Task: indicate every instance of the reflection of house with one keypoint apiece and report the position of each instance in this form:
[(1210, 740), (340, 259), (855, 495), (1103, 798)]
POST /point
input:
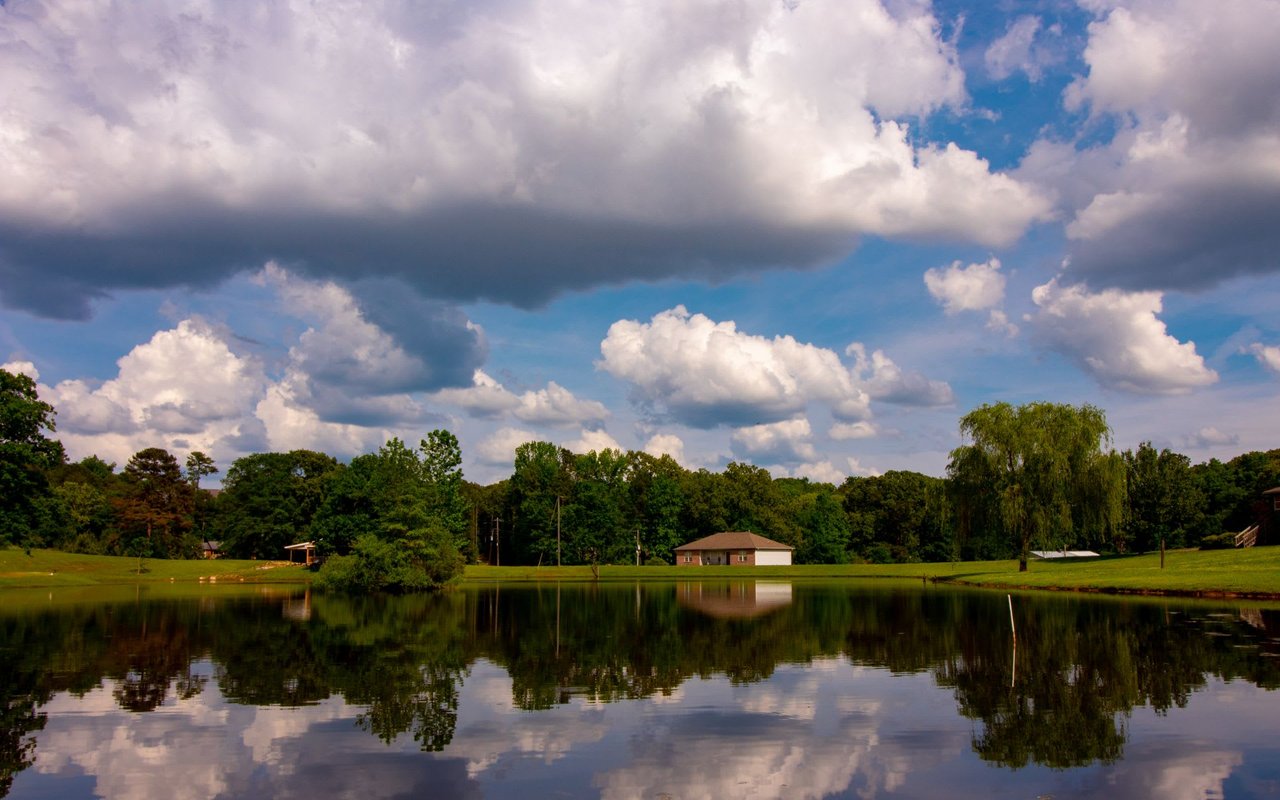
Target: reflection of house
[(736, 600), (736, 548), (298, 609), (302, 553)]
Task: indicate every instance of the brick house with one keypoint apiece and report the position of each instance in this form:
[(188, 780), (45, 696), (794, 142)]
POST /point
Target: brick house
[(733, 548), (1270, 517)]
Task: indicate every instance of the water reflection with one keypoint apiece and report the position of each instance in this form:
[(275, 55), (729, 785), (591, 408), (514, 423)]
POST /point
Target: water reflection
[(734, 599), (734, 689)]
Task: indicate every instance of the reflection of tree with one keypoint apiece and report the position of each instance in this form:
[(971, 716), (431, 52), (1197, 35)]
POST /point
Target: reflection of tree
[(403, 657), (20, 696), (1082, 665)]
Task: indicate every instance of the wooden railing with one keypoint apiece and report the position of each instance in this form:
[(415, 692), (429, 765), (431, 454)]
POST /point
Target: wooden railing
[(1247, 537)]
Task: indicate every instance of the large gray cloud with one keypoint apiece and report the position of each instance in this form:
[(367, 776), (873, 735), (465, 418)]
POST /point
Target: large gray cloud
[(1186, 194), (506, 151)]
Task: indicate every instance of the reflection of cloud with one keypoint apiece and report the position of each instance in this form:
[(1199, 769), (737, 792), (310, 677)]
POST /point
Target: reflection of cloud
[(1167, 771), (799, 735), (273, 725), (136, 756), (494, 728), (204, 747)]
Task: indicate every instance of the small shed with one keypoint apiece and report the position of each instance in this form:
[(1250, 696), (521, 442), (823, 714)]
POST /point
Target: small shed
[(734, 548), (211, 549), (1065, 554), (302, 553)]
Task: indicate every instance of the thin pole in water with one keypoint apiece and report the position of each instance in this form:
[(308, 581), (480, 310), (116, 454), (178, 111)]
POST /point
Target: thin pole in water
[(1012, 626)]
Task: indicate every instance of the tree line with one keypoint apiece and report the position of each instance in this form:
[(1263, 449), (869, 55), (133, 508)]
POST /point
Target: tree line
[(1041, 474)]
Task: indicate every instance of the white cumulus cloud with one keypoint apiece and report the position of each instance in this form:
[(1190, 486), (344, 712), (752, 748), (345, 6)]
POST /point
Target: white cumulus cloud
[(184, 389), (499, 447), (706, 373), (665, 444), (1267, 355), (22, 368), (842, 431), (1019, 50), (1117, 337), (593, 441), (1210, 436), (885, 380), (975, 287), (556, 405), (787, 441)]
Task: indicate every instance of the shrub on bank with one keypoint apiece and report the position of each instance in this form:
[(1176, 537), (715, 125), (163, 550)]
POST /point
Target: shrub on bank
[(423, 560)]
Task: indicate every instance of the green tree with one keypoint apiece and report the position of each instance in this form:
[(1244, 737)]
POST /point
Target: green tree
[(598, 527), (88, 517), (199, 465), (826, 530), (442, 470), (539, 478), (1044, 472), (157, 502), (753, 502), (269, 500), (383, 510), (1163, 506), (26, 454), (657, 502)]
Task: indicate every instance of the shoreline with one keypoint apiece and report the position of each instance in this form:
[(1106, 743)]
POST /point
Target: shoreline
[(1252, 574)]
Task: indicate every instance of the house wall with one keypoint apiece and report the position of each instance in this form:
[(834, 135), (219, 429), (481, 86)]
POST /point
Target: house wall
[(773, 558), (733, 558)]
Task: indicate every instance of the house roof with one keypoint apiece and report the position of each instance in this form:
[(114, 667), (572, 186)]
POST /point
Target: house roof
[(734, 540), (1272, 491), (1065, 554)]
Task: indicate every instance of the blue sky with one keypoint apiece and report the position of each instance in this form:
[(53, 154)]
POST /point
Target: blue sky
[(809, 235)]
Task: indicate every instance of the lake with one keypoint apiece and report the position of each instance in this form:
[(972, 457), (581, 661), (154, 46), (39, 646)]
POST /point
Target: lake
[(659, 690)]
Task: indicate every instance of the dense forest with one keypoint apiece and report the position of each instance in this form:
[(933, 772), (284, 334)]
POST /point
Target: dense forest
[(594, 508)]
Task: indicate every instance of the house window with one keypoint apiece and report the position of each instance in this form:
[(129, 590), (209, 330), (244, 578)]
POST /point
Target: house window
[(742, 558), (688, 559)]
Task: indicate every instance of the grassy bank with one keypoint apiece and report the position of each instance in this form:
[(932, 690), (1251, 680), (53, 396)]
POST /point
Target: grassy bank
[(1218, 573), (51, 568)]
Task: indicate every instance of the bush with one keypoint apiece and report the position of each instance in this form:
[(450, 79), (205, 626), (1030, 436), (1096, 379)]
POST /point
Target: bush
[(424, 559), (656, 561)]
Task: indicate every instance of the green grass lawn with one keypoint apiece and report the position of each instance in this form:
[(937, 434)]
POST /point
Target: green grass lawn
[(50, 568), (1254, 572)]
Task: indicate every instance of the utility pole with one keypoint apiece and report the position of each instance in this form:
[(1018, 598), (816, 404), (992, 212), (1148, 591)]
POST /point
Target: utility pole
[(637, 547), (557, 530)]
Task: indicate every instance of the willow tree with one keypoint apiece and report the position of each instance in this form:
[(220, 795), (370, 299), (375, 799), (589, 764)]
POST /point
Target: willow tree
[(1043, 473)]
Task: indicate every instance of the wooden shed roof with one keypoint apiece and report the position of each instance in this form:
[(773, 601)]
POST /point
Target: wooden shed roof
[(734, 540)]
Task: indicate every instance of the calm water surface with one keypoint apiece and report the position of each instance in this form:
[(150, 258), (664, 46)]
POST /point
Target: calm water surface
[(687, 690)]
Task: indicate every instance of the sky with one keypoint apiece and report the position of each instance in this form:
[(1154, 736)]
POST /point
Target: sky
[(806, 234)]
